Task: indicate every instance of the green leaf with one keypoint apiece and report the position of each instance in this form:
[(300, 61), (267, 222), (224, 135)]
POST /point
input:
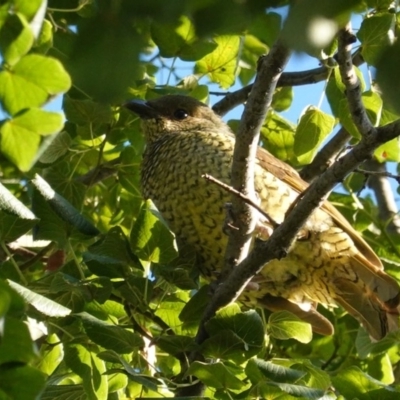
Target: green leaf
[(282, 99), (5, 301), (373, 106), (146, 381), (50, 226), (179, 40), (129, 172), (220, 65), (83, 112), (34, 120), (21, 382), (19, 145), (63, 392), (90, 368), (70, 291), (216, 375), (176, 344), (374, 35), (59, 177), (117, 382), (313, 128), (226, 345), (151, 239), (29, 8), (353, 383), (380, 367), (44, 305), (278, 137), (247, 333), (31, 81), (114, 245), (311, 26), (179, 273), (273, 21), (277, 373), (56, 147), (284, 325), (194, 308), (44, 41), (251, 50), (15, 218), (63, 208), (137, 291), (365, 346), (112, 43), (300, 391), (16, 38), (15, 304), (389, 151), (169, 309), (109, 336), (16, 345), (387, 75), (51, 354)]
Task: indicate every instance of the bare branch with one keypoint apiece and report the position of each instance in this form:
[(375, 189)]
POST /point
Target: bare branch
[(298, 78), (247, 138), (379, 183), (241, 196), (232, 100), (351, 82)]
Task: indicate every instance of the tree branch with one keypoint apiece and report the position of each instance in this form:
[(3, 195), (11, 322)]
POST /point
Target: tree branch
[(351, 82), (245, 216), (298, 78), (326, 156), (380, 185)]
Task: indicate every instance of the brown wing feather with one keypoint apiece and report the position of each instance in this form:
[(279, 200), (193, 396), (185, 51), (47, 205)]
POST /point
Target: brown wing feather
[(288, 175)]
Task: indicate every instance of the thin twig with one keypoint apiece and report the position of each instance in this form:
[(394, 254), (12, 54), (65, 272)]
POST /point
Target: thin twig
[(246, 199), (382, 173)]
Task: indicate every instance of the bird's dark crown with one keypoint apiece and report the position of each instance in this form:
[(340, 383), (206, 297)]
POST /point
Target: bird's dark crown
[(175, 114)]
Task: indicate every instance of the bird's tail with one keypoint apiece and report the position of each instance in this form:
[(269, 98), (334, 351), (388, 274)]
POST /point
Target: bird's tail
[(372, 297)]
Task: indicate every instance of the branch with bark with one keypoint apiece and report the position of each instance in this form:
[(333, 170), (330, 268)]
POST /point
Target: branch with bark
[(248, 136), (298, 78), (378, 181)]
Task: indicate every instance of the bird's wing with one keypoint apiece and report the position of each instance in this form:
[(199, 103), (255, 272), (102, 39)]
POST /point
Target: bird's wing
[(288, 175)]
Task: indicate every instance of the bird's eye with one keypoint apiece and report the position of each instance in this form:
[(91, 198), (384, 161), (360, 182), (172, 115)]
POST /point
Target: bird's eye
[(180, 114)]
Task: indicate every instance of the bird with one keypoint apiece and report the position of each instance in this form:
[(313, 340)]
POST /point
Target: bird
[(329, 263)]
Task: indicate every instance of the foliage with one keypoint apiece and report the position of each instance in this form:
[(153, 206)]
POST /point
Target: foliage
[(95, 302)]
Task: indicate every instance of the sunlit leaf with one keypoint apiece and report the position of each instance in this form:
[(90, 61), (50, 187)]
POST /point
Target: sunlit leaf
[(220, 65)]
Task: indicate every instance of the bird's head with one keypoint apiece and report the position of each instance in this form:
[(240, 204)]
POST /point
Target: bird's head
[(175, 114)]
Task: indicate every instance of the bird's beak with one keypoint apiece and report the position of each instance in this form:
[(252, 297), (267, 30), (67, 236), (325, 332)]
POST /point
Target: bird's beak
[(142, 108)]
